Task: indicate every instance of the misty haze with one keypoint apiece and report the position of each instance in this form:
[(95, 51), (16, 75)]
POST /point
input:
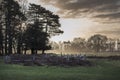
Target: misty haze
[(59, 39)]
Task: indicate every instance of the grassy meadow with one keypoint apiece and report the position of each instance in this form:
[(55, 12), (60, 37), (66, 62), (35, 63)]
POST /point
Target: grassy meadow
[(101, 70)]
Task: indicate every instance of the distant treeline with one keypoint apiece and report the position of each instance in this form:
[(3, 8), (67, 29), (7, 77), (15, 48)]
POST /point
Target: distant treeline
[(96, 43)]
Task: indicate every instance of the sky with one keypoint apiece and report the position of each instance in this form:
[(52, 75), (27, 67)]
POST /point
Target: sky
[(84, 18)]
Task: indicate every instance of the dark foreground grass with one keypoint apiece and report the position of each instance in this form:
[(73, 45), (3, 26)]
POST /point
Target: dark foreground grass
[(102, 70)]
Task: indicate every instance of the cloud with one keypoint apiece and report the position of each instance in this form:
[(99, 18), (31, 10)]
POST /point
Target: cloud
[(110, 32), (101, 9), (110, 16)]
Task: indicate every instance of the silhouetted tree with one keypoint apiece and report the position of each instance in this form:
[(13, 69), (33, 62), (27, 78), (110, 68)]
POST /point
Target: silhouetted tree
[(39, 18), (78, 44), (1, 33), (111, 44), (97, 42), (1, 40), (12, 18), (36, 38), (48, 22), (19, 37)]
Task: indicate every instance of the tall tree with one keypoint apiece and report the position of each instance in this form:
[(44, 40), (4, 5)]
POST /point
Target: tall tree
[(13, 17), (47, 20), (79, 44), (1, 40), (1, 33), (36, 38), (97, 42), (19, 38)]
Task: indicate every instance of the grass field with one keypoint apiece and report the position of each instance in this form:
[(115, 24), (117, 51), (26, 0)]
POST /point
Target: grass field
[(102, 70)]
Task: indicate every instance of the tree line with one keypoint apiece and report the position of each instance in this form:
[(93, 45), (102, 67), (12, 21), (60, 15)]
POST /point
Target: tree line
[(95, 43), (30, 29)]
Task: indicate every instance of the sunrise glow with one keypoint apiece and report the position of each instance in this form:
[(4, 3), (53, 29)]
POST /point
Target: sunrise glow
[(78, 22)]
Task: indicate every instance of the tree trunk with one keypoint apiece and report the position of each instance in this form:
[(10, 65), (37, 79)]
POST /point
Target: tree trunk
[(6, 30), (10, 43), (2, 49), (43, 51), (36, 52), (32, 51), (19, 47), (25, 49), (6, 44)]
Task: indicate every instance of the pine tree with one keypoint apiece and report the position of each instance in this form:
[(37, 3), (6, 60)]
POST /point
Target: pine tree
[(12, 18), (45, 20), (36, 38)]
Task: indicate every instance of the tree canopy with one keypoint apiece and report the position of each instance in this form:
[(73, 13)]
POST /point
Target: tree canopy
[(40, 25), (11, 18), (97, 42)]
